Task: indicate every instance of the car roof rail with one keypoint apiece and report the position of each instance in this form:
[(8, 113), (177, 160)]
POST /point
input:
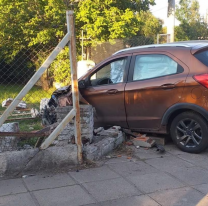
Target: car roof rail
[(154, 46)]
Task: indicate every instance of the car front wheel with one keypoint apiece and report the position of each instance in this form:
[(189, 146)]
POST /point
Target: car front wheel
[(189, 132)]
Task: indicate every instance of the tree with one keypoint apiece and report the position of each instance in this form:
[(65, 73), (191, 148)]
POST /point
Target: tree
[(150, 25), (192, 24), (104, 20), (34, 27)]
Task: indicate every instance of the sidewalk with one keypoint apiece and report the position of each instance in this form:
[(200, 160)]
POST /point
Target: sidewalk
[(148, 179)]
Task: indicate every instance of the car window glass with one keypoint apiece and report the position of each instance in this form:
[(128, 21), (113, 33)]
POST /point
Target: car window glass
[(150, 66), (111, 73), (202, 57)]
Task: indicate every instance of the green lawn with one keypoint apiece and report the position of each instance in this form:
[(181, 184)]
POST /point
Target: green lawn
[(32, 98), (33, 101)]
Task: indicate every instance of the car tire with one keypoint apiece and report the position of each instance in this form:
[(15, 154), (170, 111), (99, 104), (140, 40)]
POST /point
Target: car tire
[(189, 131)]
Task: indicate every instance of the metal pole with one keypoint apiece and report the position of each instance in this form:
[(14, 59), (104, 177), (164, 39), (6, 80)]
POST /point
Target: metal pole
[(158, 36), (34, 79), (75, 90), (171, 19), (82, 44)]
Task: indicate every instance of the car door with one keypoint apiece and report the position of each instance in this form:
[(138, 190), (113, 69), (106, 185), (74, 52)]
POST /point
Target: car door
[(106, 91), (155, 83)]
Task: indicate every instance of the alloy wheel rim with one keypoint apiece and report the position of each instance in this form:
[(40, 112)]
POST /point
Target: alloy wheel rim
[(188, 133)]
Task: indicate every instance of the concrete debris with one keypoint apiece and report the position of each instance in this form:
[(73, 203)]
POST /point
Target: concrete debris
[(34, 112), (27, 146), (25, 176), (7, 102), (103, 143), (21, 105), (9, 143), (108, 157), (43, 103), (87, 123), (143, 142), (98, 130)]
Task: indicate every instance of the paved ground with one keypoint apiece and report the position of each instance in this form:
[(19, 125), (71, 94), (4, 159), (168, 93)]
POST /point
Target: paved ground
[(149, 179)]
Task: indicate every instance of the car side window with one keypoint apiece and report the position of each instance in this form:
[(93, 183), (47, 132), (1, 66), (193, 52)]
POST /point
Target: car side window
[(154, 65), (111, 73)]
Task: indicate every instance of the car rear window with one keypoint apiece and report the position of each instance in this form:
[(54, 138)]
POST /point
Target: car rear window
[(202, 57)]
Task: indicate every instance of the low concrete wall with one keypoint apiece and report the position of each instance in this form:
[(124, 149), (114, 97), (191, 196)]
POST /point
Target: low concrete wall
[(33, 160), (64, 153)]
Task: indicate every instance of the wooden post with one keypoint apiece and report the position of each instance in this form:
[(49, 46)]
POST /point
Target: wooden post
[(74, 82)]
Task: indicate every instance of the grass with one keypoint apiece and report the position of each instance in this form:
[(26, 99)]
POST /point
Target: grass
[(32, 100)]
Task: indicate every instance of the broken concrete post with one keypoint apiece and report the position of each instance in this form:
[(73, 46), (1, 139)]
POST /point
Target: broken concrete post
[(87, 123), (9, 143)]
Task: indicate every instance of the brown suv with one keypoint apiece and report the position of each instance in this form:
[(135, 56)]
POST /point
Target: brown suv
[(154, 88)]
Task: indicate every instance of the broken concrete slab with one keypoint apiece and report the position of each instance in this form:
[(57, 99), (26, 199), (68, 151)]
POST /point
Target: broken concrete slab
[(143, 142), (9, 143), (7, 102), (101, 148)]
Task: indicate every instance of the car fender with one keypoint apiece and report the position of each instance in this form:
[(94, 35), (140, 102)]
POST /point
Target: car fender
[(183, 106)]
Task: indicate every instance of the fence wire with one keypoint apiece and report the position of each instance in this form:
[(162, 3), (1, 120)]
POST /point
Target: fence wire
[(15, 72)]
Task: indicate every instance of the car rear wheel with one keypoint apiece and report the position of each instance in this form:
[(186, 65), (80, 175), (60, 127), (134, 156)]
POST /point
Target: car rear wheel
[(189, 132)]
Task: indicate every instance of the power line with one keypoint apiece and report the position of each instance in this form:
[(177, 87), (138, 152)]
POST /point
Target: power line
[(159, 9)]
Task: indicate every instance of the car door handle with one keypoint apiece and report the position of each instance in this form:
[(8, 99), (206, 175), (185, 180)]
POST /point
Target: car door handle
[(112, 91), (168, 86)]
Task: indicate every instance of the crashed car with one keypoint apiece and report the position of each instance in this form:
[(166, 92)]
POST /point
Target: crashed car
[(153, 88)]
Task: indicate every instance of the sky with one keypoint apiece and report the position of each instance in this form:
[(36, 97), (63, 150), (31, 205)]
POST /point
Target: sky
[(160, 9)]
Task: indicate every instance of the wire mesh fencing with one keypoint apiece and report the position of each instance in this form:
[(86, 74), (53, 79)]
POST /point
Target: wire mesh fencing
[(101, 51), (14, 75), (15, 72)]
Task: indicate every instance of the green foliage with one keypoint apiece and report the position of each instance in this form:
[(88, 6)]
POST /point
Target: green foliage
[(104, 20), (32, 98), (60, 67), (192, 26), (150, 25), (36, 26)]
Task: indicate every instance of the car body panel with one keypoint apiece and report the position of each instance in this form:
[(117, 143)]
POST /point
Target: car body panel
[(109, 106), (143, 105), (143, 96)]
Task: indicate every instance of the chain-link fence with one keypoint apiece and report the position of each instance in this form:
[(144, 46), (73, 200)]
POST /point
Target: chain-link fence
[(16, 70), (101, 51)]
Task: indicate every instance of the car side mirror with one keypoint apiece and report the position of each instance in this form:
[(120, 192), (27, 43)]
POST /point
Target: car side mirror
[(82, 84)]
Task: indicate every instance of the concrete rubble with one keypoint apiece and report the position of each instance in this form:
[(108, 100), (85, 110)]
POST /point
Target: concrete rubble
[(63, 151), (7, 102), (9, 143), (87, 124), (34, 112), (103, 143), (43, 103)]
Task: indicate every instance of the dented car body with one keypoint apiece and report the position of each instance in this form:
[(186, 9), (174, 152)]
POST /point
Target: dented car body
[(153, 88)]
